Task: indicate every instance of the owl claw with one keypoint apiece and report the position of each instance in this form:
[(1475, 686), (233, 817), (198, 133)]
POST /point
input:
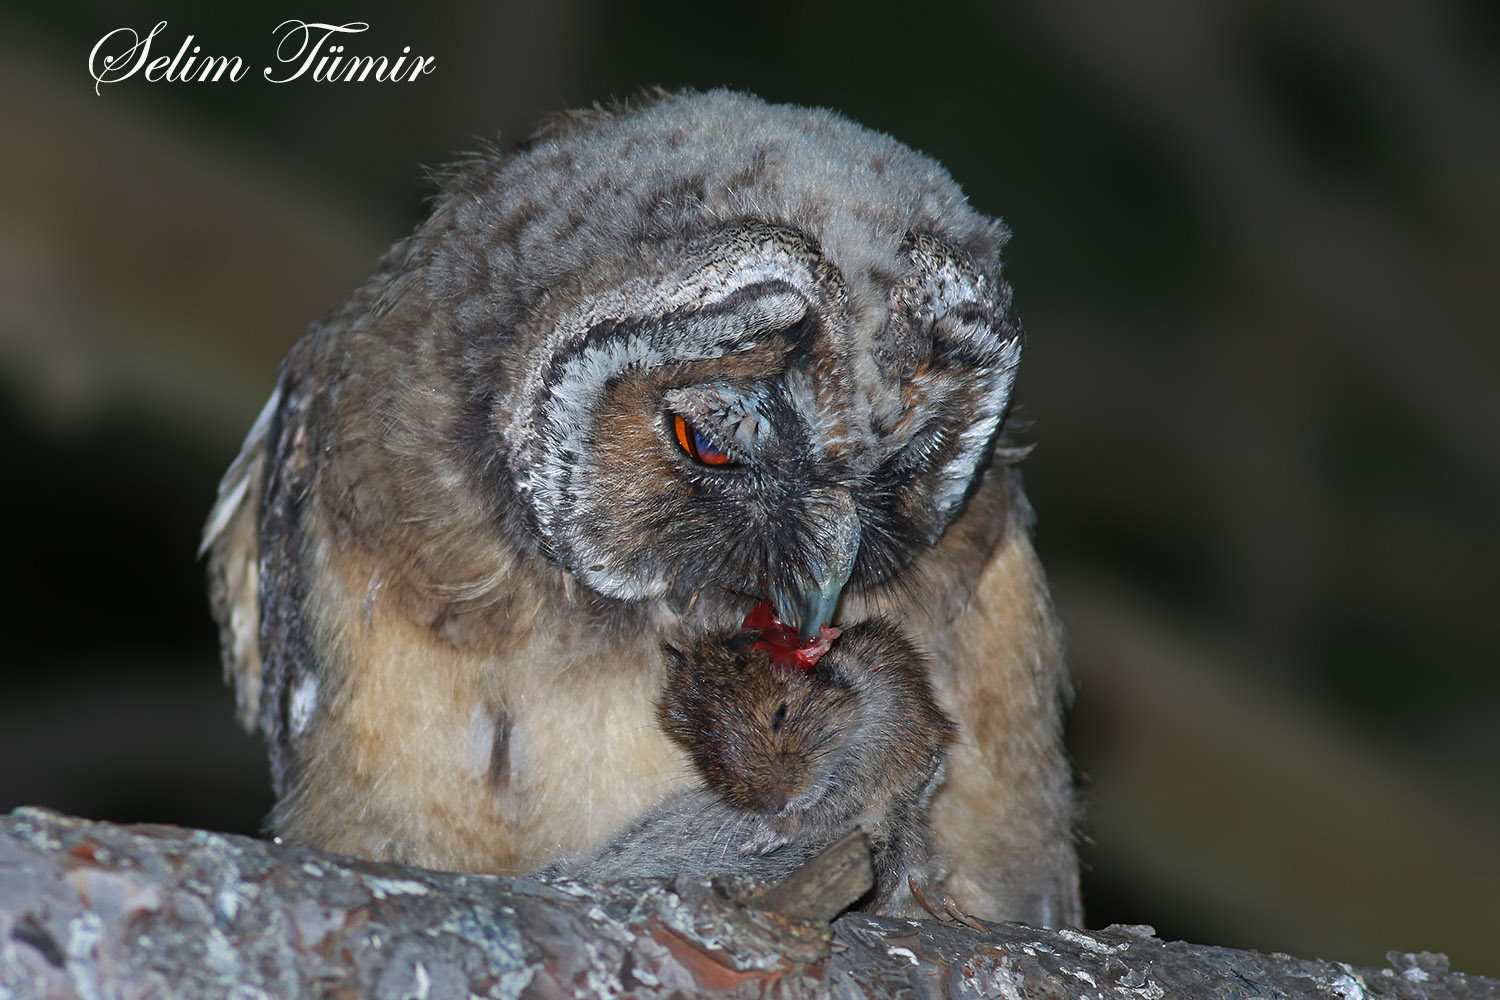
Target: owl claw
[(763, 840)]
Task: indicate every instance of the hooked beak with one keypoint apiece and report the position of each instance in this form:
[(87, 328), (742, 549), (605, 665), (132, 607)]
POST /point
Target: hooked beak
[(808, 604), (815, 608)]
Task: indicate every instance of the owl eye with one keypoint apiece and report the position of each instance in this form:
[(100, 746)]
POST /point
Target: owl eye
[(696, 445)]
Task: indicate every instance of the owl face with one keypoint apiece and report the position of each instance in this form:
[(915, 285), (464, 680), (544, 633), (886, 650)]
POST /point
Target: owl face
[(727, 427)]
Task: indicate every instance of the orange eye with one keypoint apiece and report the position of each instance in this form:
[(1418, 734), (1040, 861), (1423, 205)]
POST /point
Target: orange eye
[(696, 445)]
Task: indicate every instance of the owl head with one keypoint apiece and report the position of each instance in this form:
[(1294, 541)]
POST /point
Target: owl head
[(696, 354)]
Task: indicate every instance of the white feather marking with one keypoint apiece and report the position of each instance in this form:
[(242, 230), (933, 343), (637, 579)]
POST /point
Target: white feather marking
[(304, 702), (237, 479), (956, 475), (480, 741)]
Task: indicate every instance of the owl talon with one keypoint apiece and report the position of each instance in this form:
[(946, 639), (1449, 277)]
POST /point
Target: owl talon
[(948, 912), (922, 899), (954, 913)]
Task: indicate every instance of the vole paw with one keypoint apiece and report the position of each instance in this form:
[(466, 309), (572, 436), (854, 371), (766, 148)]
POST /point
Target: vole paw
[(763, 839)]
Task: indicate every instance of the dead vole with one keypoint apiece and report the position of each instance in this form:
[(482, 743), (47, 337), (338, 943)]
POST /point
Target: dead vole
[(791, 759)]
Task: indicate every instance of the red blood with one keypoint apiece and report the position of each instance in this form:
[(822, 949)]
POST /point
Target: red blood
[(781, 642)]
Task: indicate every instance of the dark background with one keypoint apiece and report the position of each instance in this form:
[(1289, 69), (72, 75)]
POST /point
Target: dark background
[(1255, 253)]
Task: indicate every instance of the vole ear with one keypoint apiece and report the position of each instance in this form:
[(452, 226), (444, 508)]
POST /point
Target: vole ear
[(677, 660), (672, 713), (737, 642), (827, 672)]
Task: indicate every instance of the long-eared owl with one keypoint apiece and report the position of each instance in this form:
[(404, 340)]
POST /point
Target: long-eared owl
[(648, 369)]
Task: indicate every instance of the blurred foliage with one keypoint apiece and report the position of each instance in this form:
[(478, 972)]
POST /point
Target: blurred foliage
[(1254, 253)]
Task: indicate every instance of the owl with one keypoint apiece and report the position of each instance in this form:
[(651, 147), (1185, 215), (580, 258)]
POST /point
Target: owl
[(652, 367)]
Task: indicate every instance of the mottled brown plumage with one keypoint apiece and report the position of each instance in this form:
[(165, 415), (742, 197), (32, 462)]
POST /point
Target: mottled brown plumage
[(449, 553)]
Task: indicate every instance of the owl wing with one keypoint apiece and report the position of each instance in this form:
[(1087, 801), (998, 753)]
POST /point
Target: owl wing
[(256, 581), (231, 542)]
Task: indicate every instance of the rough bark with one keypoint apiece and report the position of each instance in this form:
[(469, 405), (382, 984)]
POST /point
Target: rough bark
[(98, 910)]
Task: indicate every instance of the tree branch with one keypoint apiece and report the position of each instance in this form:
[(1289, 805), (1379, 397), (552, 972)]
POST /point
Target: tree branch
[(98, 910)]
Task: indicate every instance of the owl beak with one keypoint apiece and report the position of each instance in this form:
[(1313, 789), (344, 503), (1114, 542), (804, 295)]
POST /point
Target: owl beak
[(815, 608), (808, 610), (813, 602)]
